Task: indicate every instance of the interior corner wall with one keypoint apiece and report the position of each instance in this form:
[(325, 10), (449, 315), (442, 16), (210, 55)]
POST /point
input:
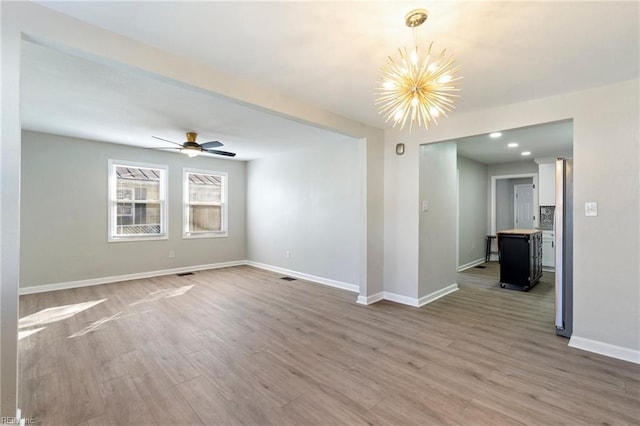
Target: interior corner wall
[(472, 210), (64, 213), (504, 213), (438, 176), (371, 158), (303, 211)]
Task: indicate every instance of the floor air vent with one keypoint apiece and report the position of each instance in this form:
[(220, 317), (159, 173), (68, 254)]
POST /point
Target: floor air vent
[(288, 279), (480, 266), (184, 274)]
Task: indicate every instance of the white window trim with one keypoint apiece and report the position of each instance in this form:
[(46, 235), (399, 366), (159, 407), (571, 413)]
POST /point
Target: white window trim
[(112, 202), (185, 205)]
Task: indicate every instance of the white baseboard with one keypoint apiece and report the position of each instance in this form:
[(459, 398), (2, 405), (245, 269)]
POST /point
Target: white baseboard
[(126, 277), (399, 298), (606, 349), (471, 264), (415, 302), (308, 277), (364, 300), (369, 300), (437, 294)]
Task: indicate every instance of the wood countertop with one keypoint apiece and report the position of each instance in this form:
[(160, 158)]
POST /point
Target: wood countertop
[(520, 231)]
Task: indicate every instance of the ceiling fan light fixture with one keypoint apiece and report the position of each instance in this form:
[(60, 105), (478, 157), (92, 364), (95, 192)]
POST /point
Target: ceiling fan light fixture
[(193, 148), (191, 152), (417, 86)]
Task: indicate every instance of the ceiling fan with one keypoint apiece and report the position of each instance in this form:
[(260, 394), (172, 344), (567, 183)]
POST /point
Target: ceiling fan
[(193, 148)]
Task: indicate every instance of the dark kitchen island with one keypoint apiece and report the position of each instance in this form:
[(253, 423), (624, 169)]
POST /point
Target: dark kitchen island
[(520, 255)]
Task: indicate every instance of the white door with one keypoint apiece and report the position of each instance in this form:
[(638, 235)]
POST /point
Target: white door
[(523, 206)]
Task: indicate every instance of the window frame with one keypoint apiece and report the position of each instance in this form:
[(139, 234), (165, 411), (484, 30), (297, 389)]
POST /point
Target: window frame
[(186, 203), (112, 202)]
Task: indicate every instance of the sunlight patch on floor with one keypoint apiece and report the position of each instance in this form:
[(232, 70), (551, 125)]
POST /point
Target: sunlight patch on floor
[(26, 333), (163, 294), (94, 326), (59, 313)]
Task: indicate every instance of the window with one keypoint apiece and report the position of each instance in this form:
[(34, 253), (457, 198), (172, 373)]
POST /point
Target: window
[(205, 204), (137, 207)]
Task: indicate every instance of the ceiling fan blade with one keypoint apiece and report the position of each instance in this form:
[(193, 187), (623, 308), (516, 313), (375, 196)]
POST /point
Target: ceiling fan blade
[(212, 144), (215, 151), (160, 139)]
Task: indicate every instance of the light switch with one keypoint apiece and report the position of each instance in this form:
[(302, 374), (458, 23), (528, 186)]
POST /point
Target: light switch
[(425, 206), (591, 209)]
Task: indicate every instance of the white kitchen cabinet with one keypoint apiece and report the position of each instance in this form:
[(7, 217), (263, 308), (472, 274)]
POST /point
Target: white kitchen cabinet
[(548, 249), (547, 184)]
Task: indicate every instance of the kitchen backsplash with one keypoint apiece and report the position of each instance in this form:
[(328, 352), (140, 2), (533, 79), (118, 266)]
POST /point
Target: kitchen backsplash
[(546, 216)]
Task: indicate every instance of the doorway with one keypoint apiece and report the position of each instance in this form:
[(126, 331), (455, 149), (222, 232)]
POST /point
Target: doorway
[(523, 210), (486, 169), (504, 207)]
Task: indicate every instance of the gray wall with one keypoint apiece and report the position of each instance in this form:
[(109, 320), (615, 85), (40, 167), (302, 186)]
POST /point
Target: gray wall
[(505, 218), (437, 252), (64, 213), (307, 203), (472, 210)]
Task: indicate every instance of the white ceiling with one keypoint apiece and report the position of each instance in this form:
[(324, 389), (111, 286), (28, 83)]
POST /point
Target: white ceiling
[(327, 54), (73, 96), (542, 141)]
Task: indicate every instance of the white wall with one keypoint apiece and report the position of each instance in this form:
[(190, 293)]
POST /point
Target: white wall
[(64, 213), (438, 186), (606, 248), (472, 210), (307, 203)]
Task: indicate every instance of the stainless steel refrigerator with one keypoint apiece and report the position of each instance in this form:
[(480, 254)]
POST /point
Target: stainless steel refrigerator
[(563, 224)]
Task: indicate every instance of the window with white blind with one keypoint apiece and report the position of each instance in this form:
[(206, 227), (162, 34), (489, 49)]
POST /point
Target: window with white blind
[(137, 201), (205, 204)]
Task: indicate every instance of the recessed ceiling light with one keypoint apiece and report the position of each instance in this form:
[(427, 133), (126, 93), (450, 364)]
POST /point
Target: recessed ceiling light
[(512, 145), (495, 135), (525, 153)]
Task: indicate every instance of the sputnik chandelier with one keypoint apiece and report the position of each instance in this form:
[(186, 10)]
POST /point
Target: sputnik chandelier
[(414, 88)]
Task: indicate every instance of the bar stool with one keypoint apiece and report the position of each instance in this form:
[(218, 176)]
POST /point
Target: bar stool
[(488, 252)]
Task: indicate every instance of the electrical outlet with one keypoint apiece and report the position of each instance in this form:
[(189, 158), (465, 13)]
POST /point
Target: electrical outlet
[(287, 254), (172, 254)]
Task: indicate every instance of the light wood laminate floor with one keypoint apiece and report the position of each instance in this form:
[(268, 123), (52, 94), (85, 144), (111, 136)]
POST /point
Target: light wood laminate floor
[(241, 346)]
